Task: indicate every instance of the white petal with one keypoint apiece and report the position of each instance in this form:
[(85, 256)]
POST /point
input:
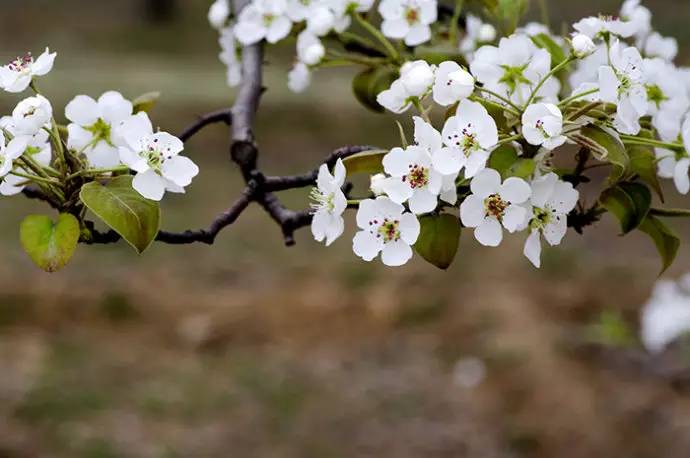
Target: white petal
[(180, 170), (149, 184), (489, 233), (423, 201), (514, 218), (472, 211), (397, 189), (486, 183), (366, 245), (515, 190), (476, 163), (396, 254), (448, 161), (680, 177), (532, 249), (409, 228), (82, 110), (44, 63), (114, 107), (555, 231)]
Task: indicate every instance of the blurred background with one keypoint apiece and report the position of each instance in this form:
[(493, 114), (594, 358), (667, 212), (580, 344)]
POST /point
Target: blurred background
[(251, 349)]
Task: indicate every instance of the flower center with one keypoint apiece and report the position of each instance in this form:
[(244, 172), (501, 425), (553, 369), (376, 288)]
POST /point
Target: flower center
[(322, 200), (541, 218), (495, 206), (656, 95), (418, 176), (412, 16), (268, 19), (540, 127), (465, 141), (21, 64), (155, 155), (100, 131), (513, 76), (388, 230)]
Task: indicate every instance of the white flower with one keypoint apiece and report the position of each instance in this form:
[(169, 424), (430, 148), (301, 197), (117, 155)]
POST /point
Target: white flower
[(263, 19), (514, 68), (219, 13), (623, 83), (396, 98), (387, 229), (417, 77), (343, 8), (230, 56), (668, 98), (637, 15), (469, 136), (477, 32), (596, 27), (453, 83), (93, 129), (310, 50), (376, 184), (408, 20), (38, 147), (587, 69), (155, 157), (299, 77), (493, 205), (32, 114), (18, 74), (9, 151), (666, 315), (663, 47), (549, 205), (329, 204), (583, 46), (321, 20), (542, 125), (675, 165)]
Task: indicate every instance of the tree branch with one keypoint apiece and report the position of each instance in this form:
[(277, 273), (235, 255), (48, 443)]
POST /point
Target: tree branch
[(224, 115)]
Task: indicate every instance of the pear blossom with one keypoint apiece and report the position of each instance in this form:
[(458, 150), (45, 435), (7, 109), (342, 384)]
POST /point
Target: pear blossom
[(603, 26), (395, 98), (93, 128), (38, 147), (469, 136), (376, 184), (583, 46), (17, 75), (9, 151), (476, 33), (542, 125), (663, 47), (321, 20), (587, 68), (230, 56), (668, 98), (263, 19), (666, 315), (639, 16), (494, 205), (219, 13), (452, 84), (310, 50), (549, 205), (514, 69), (32, 114), (385, 228), (343, 9), (299, 10), (417, 77), (329, 204), (623, 83), (299, 78), (155, 157), (674, 165), (408, 20)]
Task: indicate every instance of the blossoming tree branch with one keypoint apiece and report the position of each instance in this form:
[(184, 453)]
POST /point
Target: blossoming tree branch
[(509, 125)]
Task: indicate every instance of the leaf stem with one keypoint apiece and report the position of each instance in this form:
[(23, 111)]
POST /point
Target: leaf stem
[(553, 71), (390, 49)]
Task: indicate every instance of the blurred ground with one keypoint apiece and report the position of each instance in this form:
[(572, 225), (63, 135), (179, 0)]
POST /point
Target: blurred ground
[(249, 349)]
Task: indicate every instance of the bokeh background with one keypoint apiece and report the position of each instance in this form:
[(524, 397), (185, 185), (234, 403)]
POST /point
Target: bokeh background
[(251, 349)]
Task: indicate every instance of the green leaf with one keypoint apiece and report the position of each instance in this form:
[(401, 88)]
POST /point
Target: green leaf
[(606, 148), (368, 84), (367, 162), (629, 203), (670, 212), (643, 164), (49, 245), (502, 159), (146, 102), (522, 168), (439, 239), (118, 205), (667, 243), (557, 53)]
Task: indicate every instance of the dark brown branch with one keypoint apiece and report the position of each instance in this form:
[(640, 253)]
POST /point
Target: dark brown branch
[(211, 118)]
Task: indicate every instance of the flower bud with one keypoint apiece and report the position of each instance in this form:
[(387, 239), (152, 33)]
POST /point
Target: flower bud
[(218, 13), (376, 185), (583, 46), (487, 33), (417, 77)]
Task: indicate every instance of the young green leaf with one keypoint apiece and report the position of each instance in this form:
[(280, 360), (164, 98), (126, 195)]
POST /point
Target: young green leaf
[(667, 243), (146, 102), (629, 203), (368, 84), (50, 245), (118, 205), (643, 164), (502, 159), (367, 162), (439, 239)]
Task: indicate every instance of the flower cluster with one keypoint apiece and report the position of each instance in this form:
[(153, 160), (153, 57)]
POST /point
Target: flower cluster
[(103, 137), (512, 115)]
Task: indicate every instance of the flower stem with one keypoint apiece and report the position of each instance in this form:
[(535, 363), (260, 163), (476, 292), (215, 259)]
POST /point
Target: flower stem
[(553, 71), (509, 140), (420, 108), (96, 172), (583, 111), (630, 140), (495, 105), (35, 178), (573, 98), (499, 97), (390, 49), (453, 33)]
